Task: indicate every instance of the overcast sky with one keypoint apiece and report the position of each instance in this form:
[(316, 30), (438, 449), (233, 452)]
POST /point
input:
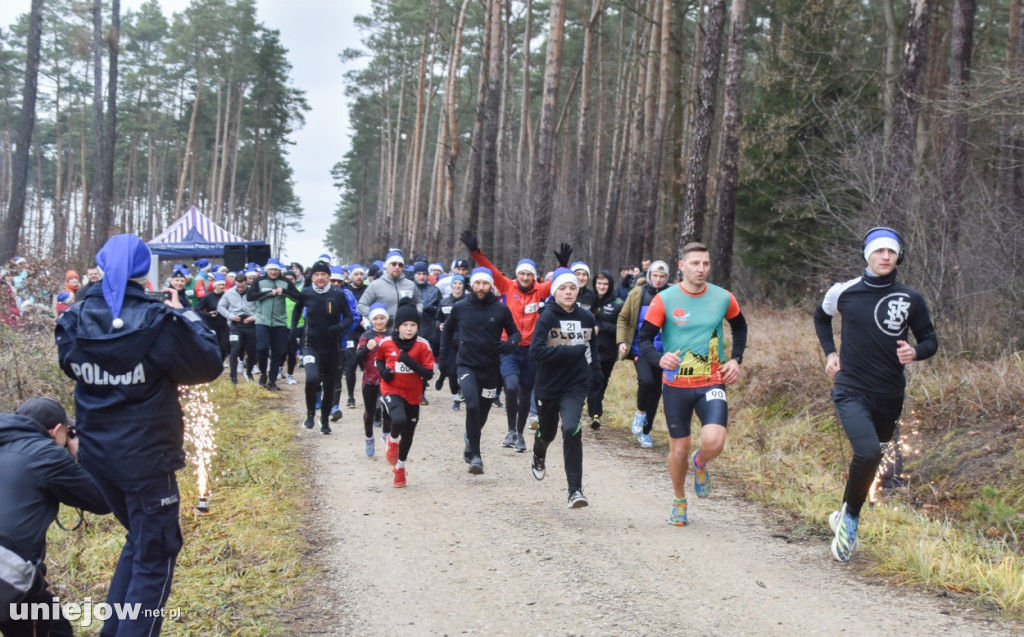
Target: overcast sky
[(314, 32)]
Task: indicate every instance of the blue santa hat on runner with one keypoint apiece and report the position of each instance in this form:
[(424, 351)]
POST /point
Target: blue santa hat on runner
[(326, 258), (179, 271), (273, 264), (378, 309), (526, 265), (481, 274), (393, 257), (563, 276), (219, 278), (337, 273), (356, 268), (122, 258), (579, 265), (202, 264)]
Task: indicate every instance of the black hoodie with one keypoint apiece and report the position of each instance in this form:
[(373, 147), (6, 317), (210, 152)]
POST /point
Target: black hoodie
[(565, 350), (606, 310)]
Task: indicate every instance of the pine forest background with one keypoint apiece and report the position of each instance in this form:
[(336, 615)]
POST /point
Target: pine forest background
[(776, 132)]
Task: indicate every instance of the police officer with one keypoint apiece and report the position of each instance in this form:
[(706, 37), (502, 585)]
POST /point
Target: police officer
[(128, 354), (36, 475)]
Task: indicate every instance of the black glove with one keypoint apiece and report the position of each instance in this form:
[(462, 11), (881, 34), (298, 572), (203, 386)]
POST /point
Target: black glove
[(506, 347), (469, 238), (439, 383), (563, 254), (334, 330), (387, 374), (408, 360)]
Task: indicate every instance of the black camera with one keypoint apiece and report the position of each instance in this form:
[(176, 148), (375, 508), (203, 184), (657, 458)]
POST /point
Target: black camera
[(159, 295), (72, 432)]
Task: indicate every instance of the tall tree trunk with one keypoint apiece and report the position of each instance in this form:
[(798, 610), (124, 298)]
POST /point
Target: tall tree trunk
[(110, 134), (903, 143), (188, 150), (721, 260), (691, 226), (489, 148), (653, 181), (101, 218), (19, 181), (892, 52), (583, 151), (544, 177), (525, 126)]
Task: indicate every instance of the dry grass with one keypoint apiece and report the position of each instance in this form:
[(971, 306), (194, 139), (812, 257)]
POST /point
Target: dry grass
[(243, 564), (958, 522)]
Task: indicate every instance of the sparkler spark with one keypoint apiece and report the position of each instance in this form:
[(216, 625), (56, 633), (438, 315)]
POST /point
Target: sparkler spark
[(200, 420), (893, 455)]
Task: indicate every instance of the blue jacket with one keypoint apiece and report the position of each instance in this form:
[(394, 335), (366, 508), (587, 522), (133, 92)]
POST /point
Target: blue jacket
[(127, 411)]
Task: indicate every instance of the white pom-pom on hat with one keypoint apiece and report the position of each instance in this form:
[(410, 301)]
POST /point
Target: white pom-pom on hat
[(118, 323)]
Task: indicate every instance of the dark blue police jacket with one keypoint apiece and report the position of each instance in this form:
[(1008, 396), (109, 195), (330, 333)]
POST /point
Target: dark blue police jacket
[(128, 415)]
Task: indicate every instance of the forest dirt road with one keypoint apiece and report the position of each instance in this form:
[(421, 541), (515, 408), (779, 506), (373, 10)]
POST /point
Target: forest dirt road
[(501, 554)]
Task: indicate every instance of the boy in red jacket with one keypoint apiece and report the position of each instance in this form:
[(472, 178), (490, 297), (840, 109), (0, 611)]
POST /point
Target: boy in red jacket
[(404, 361)]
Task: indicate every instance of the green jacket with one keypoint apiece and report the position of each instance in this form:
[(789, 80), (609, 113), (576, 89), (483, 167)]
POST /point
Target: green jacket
[(271, 310)]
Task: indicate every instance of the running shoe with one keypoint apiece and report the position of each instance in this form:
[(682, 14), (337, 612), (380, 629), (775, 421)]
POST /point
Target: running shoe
[(369, 447), (291, 379), (308, 424), (325, 429), (645, 440), (336, 414), (639, 422), (532, 422), (263, 380), (392, 453), (845, 528), (537, 466), (595, 422), (577, 500), (424, 401), (399, 477), (384, 440), (496, 401), (678, 515), (351, 404), (510, 440), (234, 381), (701, 478), (476, 465), (456, 405), (520, 443)]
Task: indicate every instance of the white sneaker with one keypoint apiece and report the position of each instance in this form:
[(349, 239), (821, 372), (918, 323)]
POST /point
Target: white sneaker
[(291, 379), (532, 422)]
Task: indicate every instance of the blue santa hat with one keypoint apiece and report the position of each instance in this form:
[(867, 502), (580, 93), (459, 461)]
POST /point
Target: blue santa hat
[(337, 273), (526, 265), (579, 265), (355, 267), (563, 276), (273, 264), (394, 256), (325, 258), (219, 278), (122, 257), (378, 309), (481, 274), (202, 264)]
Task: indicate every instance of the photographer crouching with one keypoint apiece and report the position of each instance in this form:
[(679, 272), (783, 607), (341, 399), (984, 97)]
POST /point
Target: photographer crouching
[(37, 473)]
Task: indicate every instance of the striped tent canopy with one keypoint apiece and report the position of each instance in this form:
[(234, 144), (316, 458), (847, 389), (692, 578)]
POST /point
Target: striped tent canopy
[(195, 235)]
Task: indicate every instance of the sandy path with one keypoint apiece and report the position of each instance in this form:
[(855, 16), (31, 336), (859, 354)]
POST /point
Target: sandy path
[(500, 553)]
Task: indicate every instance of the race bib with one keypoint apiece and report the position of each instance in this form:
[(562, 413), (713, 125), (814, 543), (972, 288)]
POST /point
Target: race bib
[(446, 310), (402, 368), (405, 295), (350, 344), (234, 338), (715, 394), (531, 308), (488, 393), (309, 360)]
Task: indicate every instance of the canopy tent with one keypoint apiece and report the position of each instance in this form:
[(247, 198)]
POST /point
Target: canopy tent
[(195, 235)]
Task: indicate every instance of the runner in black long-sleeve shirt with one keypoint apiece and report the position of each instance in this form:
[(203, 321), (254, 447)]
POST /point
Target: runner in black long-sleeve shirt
[(327, 317), (878, 311), (477, 324), (564, 347)]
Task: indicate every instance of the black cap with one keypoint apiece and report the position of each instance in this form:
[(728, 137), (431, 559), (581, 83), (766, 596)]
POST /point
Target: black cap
[(406, 312), (419, 266), (45, 411), (320, 266), (461, 263)]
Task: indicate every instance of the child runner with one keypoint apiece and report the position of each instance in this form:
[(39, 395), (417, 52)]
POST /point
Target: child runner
[(404, 361), (365, 355), (564, 347)]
